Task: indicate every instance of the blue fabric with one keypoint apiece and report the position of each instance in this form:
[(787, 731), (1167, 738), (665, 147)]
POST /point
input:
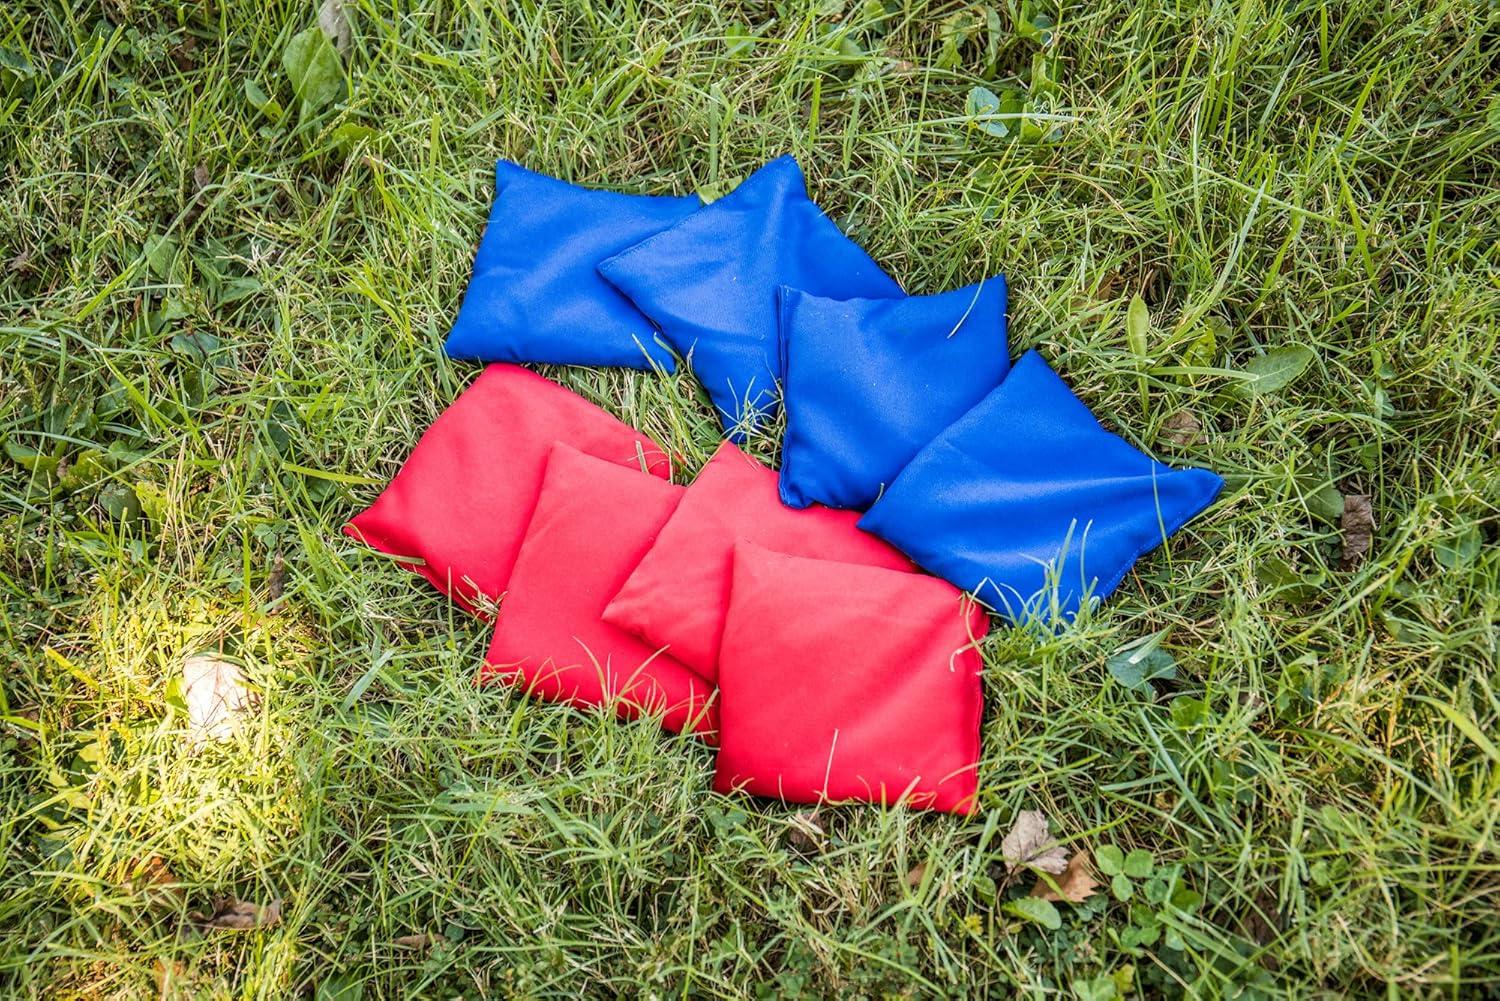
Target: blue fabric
[(1029, 503), (710, 283), (867, 382), (536, 295)]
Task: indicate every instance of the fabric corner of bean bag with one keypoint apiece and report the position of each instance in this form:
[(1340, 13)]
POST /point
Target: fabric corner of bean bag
[(535, 294), (1032, 505), (679, 594), (710, 283), (457, 509), (868, 689), (868, 382), (594, 520)]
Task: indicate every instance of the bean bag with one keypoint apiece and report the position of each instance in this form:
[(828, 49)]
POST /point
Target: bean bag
[(459, 506), (678, 595), (535, 295), (844, 682), (1029, 503), (710, 284), (867, 382), (594, 521)]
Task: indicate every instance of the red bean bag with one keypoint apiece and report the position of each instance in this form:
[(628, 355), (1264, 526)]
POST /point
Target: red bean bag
[(677, 597), (461, 502), (842, 682), (594, 521)]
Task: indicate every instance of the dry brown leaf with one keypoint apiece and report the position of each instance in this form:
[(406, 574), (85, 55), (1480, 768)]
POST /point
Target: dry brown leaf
[(153, 871), (806, 834), (155, 878), (216, 695), (1182, 428), (1358, 526), (417, 941), (231, 914), (334, 21), (168, 974), (276, 580), (196, 202), (1075, 885), (183, 56), (1028, 845), (917, 874)]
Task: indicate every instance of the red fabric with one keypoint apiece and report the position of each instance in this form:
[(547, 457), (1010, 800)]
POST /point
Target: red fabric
[(594, 521), (841, 682), (677, 597), (461, 502)]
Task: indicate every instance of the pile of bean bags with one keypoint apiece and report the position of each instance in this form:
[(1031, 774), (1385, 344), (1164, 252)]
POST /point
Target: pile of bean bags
[(819, 625)]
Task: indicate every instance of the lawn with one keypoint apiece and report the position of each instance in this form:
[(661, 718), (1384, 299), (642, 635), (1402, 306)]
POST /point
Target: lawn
[(221, 317)]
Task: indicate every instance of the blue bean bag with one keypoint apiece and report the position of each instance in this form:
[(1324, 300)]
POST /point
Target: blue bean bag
[(536, 295), (867, 382), (710, 283), (1030, 504)]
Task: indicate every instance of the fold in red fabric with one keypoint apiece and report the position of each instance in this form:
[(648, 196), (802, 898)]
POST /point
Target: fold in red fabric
[(594, 521), (461, 502), (843, 682), (679, 594)]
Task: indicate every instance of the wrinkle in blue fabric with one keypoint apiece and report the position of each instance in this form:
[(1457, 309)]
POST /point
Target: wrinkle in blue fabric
[(868, 382), (536, 294), (1030, 504), (710, 283)]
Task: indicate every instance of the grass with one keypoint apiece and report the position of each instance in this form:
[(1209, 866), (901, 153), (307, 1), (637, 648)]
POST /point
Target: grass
[(1280, 174)]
